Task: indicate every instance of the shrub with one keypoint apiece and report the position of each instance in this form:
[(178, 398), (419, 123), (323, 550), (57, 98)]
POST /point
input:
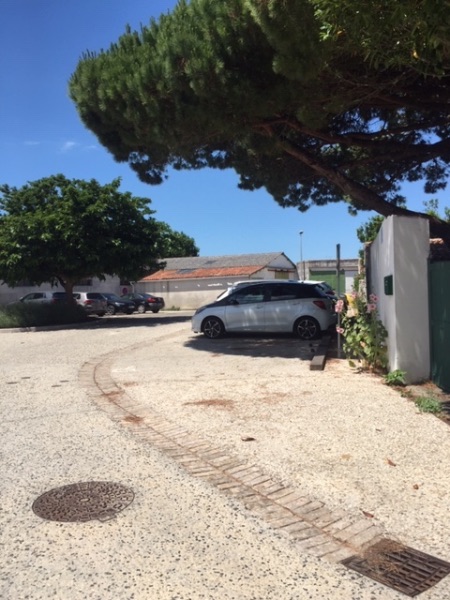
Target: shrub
[(396, 377), (30, 315), (364, 334), (427, 404)]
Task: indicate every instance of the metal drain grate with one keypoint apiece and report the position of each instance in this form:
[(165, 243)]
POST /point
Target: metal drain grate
[(401, 568), (84, 501)]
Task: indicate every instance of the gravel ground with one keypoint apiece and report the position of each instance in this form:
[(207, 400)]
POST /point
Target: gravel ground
[(345, 439)]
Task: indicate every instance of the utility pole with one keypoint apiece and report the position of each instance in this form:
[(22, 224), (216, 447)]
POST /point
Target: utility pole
[(302, 269)]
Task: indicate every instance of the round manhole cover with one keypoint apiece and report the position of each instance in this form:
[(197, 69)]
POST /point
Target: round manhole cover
[(84, 501)]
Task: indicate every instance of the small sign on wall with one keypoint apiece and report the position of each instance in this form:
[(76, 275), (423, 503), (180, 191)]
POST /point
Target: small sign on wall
[(389, 285)]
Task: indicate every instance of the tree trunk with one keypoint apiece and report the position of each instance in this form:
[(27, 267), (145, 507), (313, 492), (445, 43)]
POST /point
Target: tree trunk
[(68, 286)]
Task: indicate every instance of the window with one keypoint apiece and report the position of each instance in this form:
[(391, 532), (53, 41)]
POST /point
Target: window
[(283, 292), (306, 290), (249, 295)]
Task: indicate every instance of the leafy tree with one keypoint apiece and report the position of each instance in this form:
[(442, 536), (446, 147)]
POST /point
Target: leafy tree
[(58, 230), (366, 233), (369, 230), (175, 243), (315, 100), (432, 208)]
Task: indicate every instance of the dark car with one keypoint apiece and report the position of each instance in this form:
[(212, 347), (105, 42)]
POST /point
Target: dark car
[(145, 301), (116, 304)]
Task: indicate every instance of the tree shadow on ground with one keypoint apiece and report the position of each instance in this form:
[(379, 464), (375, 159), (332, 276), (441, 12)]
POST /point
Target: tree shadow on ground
[(128, 321), (256, 345)]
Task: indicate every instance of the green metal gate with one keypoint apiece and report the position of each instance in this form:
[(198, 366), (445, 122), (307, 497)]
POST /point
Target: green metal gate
[(330, 277), (440, 323)]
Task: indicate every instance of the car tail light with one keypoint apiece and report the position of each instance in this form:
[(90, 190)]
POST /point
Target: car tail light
[(89, 302), (320, 304), (151, 299)]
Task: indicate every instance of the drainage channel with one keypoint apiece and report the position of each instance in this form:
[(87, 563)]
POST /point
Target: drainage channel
[(333, 535)]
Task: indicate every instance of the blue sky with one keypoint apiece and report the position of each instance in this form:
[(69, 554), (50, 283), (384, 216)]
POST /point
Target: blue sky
[(41, 135)]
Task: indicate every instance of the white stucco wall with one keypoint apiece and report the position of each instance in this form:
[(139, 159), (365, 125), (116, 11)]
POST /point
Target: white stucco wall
[(401, 249), (349, 280)]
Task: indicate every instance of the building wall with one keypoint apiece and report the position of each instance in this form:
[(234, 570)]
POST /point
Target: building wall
[(193, 293), (326, 270), (401, 249)]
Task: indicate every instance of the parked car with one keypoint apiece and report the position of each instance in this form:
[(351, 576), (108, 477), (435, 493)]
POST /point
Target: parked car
[(269, 306), (326, 287), (145, 301), (43, 297), (116, 304), (93, 302)]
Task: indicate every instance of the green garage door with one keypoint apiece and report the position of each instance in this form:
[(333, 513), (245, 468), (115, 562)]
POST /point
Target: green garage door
[(330, 277), (440, 324)]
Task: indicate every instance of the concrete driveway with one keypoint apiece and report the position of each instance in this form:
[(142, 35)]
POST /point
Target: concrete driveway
[(228, 446)]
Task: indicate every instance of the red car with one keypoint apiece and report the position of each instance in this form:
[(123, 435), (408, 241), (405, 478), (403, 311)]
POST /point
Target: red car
[(145, 302)]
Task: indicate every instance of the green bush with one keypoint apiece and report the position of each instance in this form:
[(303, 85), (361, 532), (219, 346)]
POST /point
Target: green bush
[(427, 404), (364, 333), (396, 377), (28, 315)]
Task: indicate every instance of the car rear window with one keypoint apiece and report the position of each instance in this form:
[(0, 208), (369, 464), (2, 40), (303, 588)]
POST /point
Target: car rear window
[(309, 290), (94, 296), (283, 292)]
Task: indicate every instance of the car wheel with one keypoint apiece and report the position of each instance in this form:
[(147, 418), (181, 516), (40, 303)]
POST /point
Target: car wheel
[(307, 328), (213, 328), (155, 311), (141, 309), (110, 310), (130, 312)]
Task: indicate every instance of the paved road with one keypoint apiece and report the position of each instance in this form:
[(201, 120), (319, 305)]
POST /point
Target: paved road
[(181, 538)]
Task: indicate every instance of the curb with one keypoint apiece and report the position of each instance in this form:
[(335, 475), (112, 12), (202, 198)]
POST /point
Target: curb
[(318, 360)]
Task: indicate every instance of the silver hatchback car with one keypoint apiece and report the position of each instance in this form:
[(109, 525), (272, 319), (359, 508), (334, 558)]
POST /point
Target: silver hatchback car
[(275, 306), (93, 303), (45, 297)]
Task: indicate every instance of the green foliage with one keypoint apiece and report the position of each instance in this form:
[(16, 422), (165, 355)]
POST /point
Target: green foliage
[(58, 230), (369, 230), (427, 404), (314, 100), (432, 208), (396, 377), (396, 35), (174, 244), (29, 315), (364, 334)]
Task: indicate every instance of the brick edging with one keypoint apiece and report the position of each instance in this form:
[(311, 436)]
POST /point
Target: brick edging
[(312, 527)]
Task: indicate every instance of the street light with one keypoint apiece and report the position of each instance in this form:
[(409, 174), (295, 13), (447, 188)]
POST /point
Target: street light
[(301, 257)]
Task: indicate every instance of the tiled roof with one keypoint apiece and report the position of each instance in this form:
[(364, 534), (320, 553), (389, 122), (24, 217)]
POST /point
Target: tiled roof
[(231, 260), (195, 267), (164, 274)]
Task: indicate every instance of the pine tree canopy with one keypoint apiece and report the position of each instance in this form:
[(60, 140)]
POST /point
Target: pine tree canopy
[(316, 101)]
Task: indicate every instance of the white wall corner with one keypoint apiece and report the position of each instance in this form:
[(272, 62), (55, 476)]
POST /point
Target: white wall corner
[(401, 249)]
